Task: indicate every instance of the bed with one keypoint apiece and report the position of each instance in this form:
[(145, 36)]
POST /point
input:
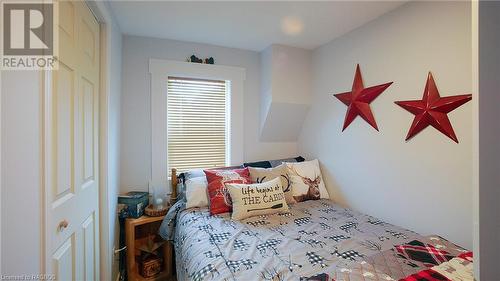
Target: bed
[(314, 240)]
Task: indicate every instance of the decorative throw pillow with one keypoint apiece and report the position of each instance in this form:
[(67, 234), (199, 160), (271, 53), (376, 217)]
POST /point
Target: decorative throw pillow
[(220, 200), (257, 199), (307, 182), (260, 175), (196, 192)]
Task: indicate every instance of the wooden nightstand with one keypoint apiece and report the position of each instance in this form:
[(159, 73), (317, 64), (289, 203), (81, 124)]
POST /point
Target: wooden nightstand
[(137, 232)]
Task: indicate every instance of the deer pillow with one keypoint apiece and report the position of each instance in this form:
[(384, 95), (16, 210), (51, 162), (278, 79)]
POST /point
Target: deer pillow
[(307, 182)]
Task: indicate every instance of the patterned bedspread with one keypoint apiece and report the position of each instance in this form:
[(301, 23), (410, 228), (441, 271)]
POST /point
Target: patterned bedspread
[(316, 240)]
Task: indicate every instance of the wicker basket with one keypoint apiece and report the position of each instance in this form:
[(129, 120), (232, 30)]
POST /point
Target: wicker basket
[(152, 212), (151, 266)]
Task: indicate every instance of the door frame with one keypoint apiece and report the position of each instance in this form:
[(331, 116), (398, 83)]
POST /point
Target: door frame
[(105, 257)]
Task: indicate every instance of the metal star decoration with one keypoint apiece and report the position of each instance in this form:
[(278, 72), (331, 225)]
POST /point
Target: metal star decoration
[(358, 100), (432, 110)]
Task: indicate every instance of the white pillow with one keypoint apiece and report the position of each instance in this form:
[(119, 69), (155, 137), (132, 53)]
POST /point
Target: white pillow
[(196, 192), (307, 182), (259, 175), (257, 199)]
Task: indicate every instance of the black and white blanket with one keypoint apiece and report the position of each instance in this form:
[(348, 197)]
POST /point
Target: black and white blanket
[(315, 240)]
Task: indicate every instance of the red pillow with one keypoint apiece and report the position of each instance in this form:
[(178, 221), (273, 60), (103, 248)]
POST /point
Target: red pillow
[(220, 201)]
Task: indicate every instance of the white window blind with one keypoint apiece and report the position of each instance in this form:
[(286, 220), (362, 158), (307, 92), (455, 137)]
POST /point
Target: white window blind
[(197, 123)]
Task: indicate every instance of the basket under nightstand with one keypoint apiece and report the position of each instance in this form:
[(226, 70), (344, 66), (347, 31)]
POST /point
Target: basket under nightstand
[(137, 232)]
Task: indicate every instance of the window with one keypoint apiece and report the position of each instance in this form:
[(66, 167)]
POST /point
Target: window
[(161, 71), (197, 123)]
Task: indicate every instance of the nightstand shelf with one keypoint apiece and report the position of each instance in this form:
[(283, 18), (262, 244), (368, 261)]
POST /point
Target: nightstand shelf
[(137, 232)]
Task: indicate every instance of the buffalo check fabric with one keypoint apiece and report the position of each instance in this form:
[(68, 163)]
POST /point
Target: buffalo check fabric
[(315, 259), (240, 245), (199, 275), (219, 237), (459, 268), (319, 277), (426, 275), (236, 265), (315, 240), (425, 253)]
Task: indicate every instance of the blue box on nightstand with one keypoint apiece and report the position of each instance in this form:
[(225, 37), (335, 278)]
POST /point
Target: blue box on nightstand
[(135, 201)]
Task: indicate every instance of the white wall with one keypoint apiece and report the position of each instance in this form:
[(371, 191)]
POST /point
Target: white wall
[(109, 145), (135, 170), (489, 140), (114, 140), (425, 184), (20, 186), (109, 137)]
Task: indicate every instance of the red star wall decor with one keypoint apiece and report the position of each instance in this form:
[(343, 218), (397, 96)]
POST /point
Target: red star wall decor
[(358, 100), (432, 110)]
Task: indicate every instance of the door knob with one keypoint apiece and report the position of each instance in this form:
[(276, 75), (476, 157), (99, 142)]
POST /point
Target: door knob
[(62, 225)]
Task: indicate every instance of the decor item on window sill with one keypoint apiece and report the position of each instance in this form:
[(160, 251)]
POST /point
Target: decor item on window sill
[(195, 59), (209, 60), (432, 110)]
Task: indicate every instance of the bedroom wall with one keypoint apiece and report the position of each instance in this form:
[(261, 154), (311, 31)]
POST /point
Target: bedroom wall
[(110, 106), (135, 170), (424, 184), (20, 162), (114, 142), (487, 206)]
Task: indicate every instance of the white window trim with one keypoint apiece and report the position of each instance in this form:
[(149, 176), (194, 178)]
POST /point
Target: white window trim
[(160, 70)]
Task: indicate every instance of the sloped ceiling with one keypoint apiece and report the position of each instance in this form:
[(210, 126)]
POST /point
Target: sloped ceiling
[(283, 122), (286, 92)]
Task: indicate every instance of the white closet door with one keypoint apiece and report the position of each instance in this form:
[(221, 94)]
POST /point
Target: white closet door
[(71, 148)]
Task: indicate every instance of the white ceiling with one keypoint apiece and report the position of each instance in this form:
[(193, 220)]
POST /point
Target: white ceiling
[(247, 25)]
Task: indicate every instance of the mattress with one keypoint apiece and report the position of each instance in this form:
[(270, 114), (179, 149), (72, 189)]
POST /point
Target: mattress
[(314, 240)]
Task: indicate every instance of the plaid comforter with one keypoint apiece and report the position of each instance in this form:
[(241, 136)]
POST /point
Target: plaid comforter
[(315, 240)]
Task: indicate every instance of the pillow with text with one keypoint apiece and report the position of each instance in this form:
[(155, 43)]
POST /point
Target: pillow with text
[(257, 199)]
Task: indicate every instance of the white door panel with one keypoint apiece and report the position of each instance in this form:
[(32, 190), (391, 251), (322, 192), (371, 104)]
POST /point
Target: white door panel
[(89, 249), (88, 90), (62, 261), (71, 148), (63, 100)]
